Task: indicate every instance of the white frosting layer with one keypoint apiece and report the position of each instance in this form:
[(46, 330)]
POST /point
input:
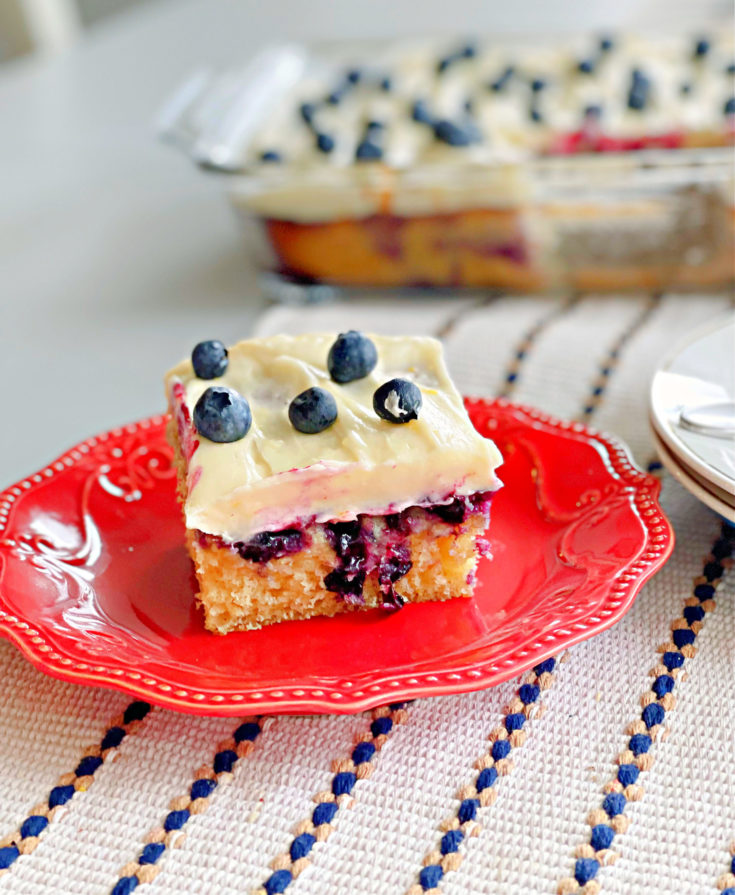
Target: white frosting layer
[(276, 476)]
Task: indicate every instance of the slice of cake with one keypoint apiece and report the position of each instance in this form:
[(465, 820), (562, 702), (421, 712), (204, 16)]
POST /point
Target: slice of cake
[(323, 473)]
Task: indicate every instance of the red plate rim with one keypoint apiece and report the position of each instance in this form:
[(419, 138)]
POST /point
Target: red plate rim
[(655, 550)]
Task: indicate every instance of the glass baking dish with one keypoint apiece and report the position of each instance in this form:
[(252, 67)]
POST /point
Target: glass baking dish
[(517, 220)]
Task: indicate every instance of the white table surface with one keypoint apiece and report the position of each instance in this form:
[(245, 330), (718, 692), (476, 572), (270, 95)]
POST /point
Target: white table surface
[(115, 255)]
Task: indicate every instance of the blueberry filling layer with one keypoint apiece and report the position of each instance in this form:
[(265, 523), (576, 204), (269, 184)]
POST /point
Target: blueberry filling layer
[(362, 547), (394, 565), (350, 544), (455, 512), (268, 545)]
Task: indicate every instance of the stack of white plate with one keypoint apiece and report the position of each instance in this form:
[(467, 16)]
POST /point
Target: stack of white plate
[(693, 415)]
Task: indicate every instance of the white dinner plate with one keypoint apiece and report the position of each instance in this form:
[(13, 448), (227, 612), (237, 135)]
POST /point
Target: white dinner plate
[(711, 499), (697, 373)]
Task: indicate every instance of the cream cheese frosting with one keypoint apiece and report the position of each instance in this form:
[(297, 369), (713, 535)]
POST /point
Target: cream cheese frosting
[(685, 95), (275, 476)]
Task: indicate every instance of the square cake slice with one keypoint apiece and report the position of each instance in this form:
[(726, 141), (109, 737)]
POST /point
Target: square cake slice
[(322, 473)]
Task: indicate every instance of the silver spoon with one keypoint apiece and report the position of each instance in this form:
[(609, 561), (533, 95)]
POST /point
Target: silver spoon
[(710, 419)]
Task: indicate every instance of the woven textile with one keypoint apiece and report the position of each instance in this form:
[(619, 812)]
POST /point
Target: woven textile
[(137, 822)]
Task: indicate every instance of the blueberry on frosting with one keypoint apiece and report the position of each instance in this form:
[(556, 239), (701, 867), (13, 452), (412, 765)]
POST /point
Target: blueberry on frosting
[(367, 151), (701, 48), (324, 143), (209, 359), (443, 64), (455, 134), (222, 415), (352, 356), (337, 95), (397, 401), (270, 155), (729, 108), (502, 82), (312, 411), (369, 148), (307, 110), (639, 90), (420, 112)]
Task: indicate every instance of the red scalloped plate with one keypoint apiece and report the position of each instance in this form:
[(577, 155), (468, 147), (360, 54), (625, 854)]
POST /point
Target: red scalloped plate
[(96, 586)]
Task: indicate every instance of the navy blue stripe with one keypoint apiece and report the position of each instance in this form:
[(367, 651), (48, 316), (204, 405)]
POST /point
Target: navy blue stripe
[(523, 348), (35, 824), (612, 358), (224, 762), (654, 714)]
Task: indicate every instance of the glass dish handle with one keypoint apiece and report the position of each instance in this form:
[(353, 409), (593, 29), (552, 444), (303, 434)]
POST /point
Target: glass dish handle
[(212, 117)]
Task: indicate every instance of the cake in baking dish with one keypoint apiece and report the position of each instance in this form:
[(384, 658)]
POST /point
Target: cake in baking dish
[(417, 162), (324, 473)]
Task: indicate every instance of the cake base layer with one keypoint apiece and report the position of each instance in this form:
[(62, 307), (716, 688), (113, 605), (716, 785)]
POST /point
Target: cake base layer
[(374, 562), (476, 247)]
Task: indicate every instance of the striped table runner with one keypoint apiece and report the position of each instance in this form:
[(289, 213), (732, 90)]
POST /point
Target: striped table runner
[(609, 769)]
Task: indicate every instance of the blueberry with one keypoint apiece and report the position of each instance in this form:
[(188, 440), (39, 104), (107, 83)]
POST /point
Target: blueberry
[(443, 64), (367, 151), (209, 359), (502, 81), (324, 143), (535, 115), (730, 70), (312, 411), (268, 545), (386, 84), (593, 112), (453, 512), (685, 89), (336, 96), (639, 89), (469, 51), (637, 100), (420, 112), (397, 401), (729, 108), (354, 75), (538, 84), (374, 126), (453, 134), (606, 44), (586, 66), (352, 356), (701, 48), (222, 415), (270, 155), (307, 110)]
